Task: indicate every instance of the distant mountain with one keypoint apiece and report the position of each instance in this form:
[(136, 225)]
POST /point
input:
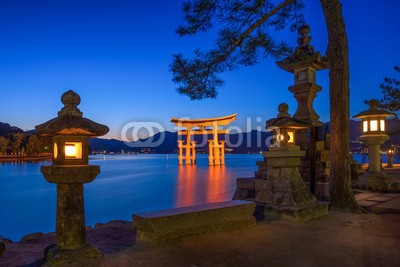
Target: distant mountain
[(113, 145), (250, 142), (6, 128), (245, 143)]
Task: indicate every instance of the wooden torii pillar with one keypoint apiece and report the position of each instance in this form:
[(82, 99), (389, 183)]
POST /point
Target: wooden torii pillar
[(206, 126)]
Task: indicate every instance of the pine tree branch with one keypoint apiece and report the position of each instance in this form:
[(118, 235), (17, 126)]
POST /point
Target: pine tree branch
[(252, 27)]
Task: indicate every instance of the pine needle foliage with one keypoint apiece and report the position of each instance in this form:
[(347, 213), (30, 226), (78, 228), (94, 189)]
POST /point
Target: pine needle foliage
[(245, 35)]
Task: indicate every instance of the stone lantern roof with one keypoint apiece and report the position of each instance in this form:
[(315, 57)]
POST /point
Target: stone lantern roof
[(304, 54), (70, 120), (373, 111), (285, 121)]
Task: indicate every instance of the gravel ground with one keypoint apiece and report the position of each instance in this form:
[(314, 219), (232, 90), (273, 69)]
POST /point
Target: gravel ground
[(340, 239)]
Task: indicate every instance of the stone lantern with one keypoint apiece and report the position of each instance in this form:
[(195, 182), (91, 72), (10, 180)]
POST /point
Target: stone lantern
[(70, 170), (374, 135), (304, 64), (390, 154), (284, 190)]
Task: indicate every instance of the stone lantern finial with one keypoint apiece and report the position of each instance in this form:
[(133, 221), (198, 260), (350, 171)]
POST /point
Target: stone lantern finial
[(304, 55), (304, 40), (283, 109), (71, 100), (373, 104)]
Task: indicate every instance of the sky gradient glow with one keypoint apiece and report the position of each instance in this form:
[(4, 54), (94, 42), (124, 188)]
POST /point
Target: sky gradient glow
[(116, 55)]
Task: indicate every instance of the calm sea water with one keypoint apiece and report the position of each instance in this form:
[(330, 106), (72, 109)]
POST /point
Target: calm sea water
[(126, 185), (360, 158)]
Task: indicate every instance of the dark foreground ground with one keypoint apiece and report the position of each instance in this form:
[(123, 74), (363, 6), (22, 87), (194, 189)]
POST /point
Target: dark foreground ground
[(340, 239)]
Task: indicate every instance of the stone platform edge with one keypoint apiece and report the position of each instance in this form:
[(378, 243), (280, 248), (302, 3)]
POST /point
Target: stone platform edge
[(299, 214), (170, 225)]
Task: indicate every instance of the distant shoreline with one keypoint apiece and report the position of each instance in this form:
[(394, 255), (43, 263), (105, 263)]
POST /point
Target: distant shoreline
[(25, 158)]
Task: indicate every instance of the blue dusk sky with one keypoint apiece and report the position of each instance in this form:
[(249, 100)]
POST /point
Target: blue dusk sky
[(116, 55)]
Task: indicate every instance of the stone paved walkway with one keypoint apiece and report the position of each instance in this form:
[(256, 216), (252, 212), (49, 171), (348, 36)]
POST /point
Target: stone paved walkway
[(379, 202)]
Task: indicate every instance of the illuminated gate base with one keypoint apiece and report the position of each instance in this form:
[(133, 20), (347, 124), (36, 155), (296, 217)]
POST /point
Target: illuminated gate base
[(190, 153), (216, 148), (216, 155)]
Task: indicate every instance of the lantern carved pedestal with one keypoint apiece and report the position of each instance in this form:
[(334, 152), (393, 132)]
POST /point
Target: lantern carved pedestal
[(374, 178), (70, 170), (284, 190), (70, 224)]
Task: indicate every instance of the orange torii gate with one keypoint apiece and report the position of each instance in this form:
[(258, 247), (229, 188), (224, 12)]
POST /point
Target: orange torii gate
[(216, 148)]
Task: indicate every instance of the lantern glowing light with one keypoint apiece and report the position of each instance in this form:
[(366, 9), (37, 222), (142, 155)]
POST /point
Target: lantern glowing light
[(73, 150), (382, 122), (365, 126), (55, 150), (373, 125), (70, 151), (280, 137), (290, 137)]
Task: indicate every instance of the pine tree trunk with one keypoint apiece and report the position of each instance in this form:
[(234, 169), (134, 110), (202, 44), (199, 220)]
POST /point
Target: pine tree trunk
[(342, 196)]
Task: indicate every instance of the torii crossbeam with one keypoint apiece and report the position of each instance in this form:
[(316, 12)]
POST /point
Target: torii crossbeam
[(206, 126)]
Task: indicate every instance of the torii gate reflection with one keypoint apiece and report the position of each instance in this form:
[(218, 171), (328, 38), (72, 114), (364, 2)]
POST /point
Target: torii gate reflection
[(206, 126), (197, 185)]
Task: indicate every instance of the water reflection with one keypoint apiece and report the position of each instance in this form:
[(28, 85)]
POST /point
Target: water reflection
[(202, 184), (186, 185), (216, 183)]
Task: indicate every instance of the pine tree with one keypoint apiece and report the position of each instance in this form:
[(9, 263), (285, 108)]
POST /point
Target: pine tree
[(337, 54), (3, 145), (391, 93), (33, 145), (244, 37), (18, 142)]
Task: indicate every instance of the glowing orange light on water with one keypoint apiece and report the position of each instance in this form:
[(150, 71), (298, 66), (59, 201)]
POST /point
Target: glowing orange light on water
[(216, 188), (185, 193)]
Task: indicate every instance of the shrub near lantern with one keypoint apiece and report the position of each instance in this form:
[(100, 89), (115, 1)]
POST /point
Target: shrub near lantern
[(70, 170)]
